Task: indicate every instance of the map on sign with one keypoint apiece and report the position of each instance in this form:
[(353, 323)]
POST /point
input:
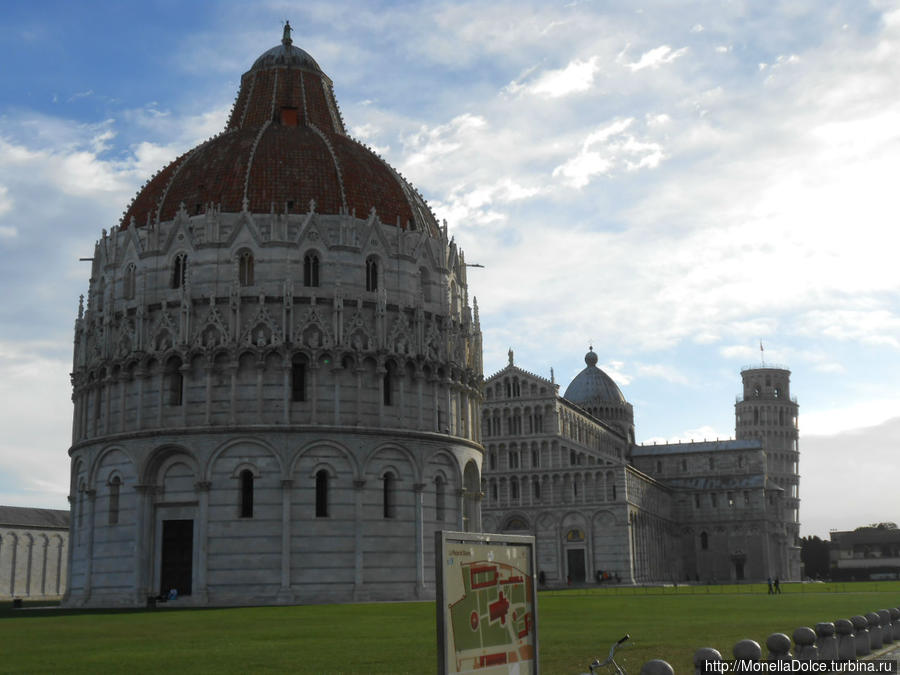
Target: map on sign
[(489, 602)]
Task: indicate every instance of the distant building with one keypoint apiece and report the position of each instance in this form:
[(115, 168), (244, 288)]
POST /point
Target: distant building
[(566, 469), (866, 553), (33, 553)]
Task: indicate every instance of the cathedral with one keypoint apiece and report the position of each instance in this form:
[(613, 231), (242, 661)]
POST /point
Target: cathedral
[(277, 374), (566, 469)]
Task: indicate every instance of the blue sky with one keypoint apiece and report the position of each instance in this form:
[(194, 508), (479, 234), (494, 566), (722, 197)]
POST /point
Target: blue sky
[(670, 182)]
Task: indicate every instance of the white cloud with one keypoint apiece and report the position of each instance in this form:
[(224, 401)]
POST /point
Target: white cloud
[(5, 201), (606, 149), (430, 144), (577, 76), (662, 371), (36, 417), (655, 58), (835, 463)]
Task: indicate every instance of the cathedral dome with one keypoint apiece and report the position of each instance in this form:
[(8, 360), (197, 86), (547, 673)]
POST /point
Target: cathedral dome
[(592, 385), (284, 150)]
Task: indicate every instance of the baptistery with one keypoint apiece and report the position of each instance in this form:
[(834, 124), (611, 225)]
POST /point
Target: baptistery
[(277, 371)]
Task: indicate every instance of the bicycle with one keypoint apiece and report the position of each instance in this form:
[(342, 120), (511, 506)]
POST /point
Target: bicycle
[(611, 659)]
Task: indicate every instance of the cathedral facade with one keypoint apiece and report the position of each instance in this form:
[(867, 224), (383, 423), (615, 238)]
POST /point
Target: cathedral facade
[(277, 373), (604, 509)]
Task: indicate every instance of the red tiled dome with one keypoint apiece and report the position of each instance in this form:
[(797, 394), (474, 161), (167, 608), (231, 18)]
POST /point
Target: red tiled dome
[(285, 144)]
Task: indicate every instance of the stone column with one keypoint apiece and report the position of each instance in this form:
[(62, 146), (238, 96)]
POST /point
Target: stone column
[(451, 417), (314, 388), (202, 488), (207, 413), (70, 550), (89, 555), (476, 512), (142, 543), (160, 396), (380, 372), (419, 489), (29, 561), (44, 550), (123, 386), (435, 414), (401, 396), (232, 405), (336, 371), (260, 368), (185, 371), (139, 375), (420, 377), (286, 393), (359, 376), (284, 593), (12, 563), (107, 385), (358, 487), (461, 504)]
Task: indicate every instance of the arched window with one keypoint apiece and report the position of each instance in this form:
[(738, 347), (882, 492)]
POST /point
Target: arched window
[(245, 268), (388, 497), (322, 494), (704, 541), (425, 283), (371, 273), (535, 463), (513, 460), (128, 281), (246, 493), (537, 490), (176, 382), (298, 379), (179, 271), (514, 489), (492, 460), (114, 483), (311, 269), (439, 499)]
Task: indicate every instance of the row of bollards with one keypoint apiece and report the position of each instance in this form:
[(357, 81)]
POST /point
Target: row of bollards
[(843, 640)]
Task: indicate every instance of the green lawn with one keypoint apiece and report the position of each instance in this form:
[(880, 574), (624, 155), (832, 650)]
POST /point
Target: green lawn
[(575, 625)]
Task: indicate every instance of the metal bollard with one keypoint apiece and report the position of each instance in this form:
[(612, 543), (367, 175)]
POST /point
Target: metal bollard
[(805, 644), (703, 656), (895, 619), (887, 628), (846, 639), (747, 651), (826, 641), (657, 667), (861, 630), (874, 630), (779, 646)]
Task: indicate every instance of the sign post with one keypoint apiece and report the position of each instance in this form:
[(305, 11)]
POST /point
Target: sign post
[(486, 604)]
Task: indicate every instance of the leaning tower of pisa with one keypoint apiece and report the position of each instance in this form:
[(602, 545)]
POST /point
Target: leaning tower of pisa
[(767, 412)]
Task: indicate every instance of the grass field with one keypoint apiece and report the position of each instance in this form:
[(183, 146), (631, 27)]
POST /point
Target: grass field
[(575, 625)]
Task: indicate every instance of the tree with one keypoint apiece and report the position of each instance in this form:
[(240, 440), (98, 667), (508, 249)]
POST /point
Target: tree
[(815, 556)]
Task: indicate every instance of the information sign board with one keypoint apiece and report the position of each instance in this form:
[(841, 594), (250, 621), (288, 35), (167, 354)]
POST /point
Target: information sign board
[(486, 603)]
